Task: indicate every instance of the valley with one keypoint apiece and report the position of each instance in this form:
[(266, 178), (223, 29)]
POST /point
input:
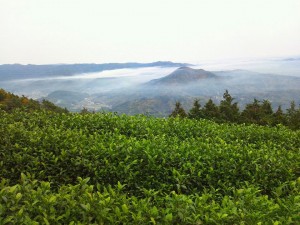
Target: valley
[(148, 88)]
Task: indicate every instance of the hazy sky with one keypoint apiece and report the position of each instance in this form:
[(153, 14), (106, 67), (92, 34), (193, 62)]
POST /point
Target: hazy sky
[(74, 31)]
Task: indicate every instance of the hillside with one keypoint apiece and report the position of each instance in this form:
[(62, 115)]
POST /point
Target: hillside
[(10, 102), (108, 169), (159, 106)]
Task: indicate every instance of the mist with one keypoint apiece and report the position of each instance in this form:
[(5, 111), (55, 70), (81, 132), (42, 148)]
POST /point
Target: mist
[(86, 82), (129, 90)]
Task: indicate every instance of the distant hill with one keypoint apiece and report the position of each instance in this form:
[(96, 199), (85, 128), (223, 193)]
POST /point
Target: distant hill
[(18, 71), (158, 106), (183, 75), (75, 101), (67, 95)]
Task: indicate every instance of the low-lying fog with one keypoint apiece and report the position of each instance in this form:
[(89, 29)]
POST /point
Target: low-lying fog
[(87, 82)]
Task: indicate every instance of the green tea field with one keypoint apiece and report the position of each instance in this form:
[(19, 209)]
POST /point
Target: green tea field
[(103, 168)]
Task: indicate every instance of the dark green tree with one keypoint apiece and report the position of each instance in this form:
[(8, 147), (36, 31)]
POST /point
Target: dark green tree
[(266, 107), (211, 110), (195, 112), (2, 95), (292, 110), (229, 110), (266, 113), (252, 112), (293, 117), (279, 117), (178, 111)]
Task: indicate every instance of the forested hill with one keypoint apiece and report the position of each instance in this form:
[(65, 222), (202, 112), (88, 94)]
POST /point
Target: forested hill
[(183, 76), (10, 102)]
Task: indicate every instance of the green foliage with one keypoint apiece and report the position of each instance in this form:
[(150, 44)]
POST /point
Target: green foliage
[(279, 117), (178, 111), (143, 170), (293, 116), (266, 107), (195, 112), (34, 202), (211, 111), (251, 113), (229, 111), (47, 105), (257, 112), (10, 102), (260, 113)]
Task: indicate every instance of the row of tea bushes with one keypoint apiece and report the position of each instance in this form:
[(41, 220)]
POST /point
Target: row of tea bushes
[(158, 161), (33, 202)]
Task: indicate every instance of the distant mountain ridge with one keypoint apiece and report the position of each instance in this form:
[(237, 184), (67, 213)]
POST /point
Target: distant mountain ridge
[(156, 94), (183, 75), (19, 71)]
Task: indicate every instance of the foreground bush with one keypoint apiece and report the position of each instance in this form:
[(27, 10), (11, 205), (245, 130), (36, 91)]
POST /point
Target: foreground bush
[(144, 170), (33, 202)]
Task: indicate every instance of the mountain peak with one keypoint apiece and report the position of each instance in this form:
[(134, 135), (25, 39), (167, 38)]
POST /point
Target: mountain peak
[(184, 68), (184, 75)]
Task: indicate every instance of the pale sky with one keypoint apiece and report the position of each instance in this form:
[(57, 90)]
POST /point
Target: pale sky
[(99, 31)]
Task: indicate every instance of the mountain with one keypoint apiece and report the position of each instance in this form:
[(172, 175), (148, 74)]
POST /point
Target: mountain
[(155, 90), (183, 75), (19, 71)]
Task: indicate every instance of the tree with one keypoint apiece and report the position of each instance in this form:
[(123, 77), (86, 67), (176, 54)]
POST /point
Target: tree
[(292, 108), (195, 112), (2, 95), (291, 112), (266, 107), (278, 117), (84, 111), (251, 113), (229, 111), (293, 116), (178, 111), (210, 110), (265, 113)]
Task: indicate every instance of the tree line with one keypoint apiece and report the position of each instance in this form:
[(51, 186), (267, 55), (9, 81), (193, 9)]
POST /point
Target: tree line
[(257, 112)]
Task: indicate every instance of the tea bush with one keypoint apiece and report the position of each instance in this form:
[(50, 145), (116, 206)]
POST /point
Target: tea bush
[(143, 170)]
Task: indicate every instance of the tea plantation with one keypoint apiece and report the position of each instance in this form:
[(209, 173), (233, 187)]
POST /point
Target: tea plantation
[(64, 168)]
